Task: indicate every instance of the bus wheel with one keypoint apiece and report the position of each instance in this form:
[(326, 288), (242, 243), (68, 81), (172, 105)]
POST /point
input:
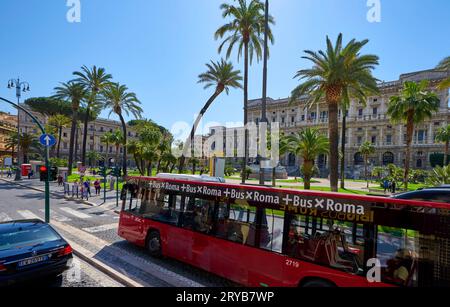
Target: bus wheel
[(317, 283), (154, 244)]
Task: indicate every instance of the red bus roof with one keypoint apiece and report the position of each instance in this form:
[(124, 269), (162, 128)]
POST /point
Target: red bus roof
[(378, 199)]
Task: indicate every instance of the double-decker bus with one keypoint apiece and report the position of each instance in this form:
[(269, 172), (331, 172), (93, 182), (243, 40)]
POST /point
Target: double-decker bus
[(261, 236)]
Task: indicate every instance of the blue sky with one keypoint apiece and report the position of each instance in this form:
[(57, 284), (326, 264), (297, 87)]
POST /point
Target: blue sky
[(158, 47)]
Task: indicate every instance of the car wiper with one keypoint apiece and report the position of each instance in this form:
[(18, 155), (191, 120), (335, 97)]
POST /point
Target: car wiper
[(36, 245)]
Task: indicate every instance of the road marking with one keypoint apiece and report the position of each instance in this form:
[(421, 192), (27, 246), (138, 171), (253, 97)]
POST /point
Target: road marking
[(101, 228), (76, 213), (4, 217), (55, 216), (28, 214)]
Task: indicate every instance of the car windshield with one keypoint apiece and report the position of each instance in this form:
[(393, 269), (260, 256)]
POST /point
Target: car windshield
[(27, 236)]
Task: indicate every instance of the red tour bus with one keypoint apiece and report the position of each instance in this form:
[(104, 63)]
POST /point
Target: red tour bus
[(260, 236)]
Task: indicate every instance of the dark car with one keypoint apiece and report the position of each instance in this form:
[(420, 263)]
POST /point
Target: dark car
[(438, 194), (31, 249)]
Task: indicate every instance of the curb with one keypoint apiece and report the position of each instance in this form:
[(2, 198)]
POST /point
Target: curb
[(87, 256)]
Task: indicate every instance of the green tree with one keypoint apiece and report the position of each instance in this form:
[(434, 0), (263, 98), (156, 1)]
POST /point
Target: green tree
[(93, 157), (443, 136), (60, 122), (11, 143), (106, 139), (367, 149), (414, 105), (94, 81), (439, 176), (338, 73), (245, 30), (445, 65), (307, 144), (144, 150), (120, 101), (221, 76), (75, 93), (117, 139)]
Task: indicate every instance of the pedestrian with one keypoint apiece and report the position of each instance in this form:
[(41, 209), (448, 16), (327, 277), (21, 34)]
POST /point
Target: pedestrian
[(394, 187), (9, 173), (60, 180), (385, 185), (87, 185), (97, 187)]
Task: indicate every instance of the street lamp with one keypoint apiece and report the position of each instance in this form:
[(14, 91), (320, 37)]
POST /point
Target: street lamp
[(264, 94), (21, 87)]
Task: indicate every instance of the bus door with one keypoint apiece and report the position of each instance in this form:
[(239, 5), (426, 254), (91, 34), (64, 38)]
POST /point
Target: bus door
[(131, 224)]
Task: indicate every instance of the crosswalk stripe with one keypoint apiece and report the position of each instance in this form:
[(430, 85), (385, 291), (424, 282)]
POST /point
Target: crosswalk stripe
[(28, 214), (4, 217), (101, 228), (55, 216), (76, 213)]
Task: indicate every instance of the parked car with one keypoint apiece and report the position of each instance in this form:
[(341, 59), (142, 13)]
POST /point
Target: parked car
[(436, 194), (31, 249)]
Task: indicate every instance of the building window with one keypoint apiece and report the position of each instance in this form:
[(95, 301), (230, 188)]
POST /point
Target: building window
[(375, 111), (293, 119), (303, 118), (274, 119), (359, 159), (282, 120), (65, 145), (421, 136), (360, 112), (359, 140), (65, 134), (102, 129), (388, 139), (419, 163), (374, 139), (388, 158), (101, 148)]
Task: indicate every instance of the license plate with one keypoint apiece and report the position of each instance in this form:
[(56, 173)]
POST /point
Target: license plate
[(33, 261)]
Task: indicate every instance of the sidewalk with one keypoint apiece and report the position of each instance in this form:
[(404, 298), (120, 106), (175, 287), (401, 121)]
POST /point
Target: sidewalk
[(58, 191)]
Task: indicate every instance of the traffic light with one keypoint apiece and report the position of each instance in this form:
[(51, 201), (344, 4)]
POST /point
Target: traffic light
[(116, 171), (43, 173)]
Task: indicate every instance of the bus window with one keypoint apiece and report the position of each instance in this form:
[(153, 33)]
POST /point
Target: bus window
[(198, 214), (272, 230), (133, 197), (331, 243), (236, 223)]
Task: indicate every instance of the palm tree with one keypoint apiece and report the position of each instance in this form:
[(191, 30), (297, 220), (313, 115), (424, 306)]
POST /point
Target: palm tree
[(106, 139), (117, 98), (117, 139), (439, 176), (75, 93), (27, 143), (443, 136), (307, 144), (445, 65), (338, 74), (414, 105), (222, 76), (245, 30), (367, 149), (93, 157), (11, 143), (94, 81), (60, 122)]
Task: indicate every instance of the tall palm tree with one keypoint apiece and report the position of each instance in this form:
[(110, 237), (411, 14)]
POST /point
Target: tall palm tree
[(119, 100), (414, 105), (307, 144), (11, 143), (338, 73), (60, 122), (443, 136), (222, 76), (27, 143), (106, 139), (75, 93), (445, 65), (366, 149), (94, 80), (245, 30)]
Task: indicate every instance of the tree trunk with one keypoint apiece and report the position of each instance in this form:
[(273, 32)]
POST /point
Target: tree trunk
[(344, 128), (409, 137), (158, 166), (193, 168), (107, 155), (365, 170), (307, 173), (446, 153), (83, 149), (245, 160), (334, 144), (59, 142), (72, 140), (124, 129)]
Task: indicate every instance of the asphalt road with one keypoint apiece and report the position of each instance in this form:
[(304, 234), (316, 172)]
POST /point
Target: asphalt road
[(95, 230)]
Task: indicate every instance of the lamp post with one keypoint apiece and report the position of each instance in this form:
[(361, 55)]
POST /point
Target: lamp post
[(264, 93), (20, 86)]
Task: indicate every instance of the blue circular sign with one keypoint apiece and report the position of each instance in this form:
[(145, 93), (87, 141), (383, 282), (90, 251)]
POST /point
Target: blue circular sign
[(47, 140)]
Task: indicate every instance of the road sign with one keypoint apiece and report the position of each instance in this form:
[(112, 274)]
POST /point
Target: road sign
[(47, 140)]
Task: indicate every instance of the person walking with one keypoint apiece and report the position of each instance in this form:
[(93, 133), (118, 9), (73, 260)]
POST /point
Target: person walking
[(60, 180), (87, 188), (97, 187), (394, 187)]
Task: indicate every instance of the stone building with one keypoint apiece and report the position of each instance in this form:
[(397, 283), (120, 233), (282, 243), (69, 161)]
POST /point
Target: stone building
[(8, 125), (364, 123)]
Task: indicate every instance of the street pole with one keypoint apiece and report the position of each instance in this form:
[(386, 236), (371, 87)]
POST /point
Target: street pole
[(25, 87), (264, 94), (47, 164)]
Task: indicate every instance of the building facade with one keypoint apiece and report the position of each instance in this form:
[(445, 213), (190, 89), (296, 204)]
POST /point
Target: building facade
[(96, 129), (8, 125), (368, 122)]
